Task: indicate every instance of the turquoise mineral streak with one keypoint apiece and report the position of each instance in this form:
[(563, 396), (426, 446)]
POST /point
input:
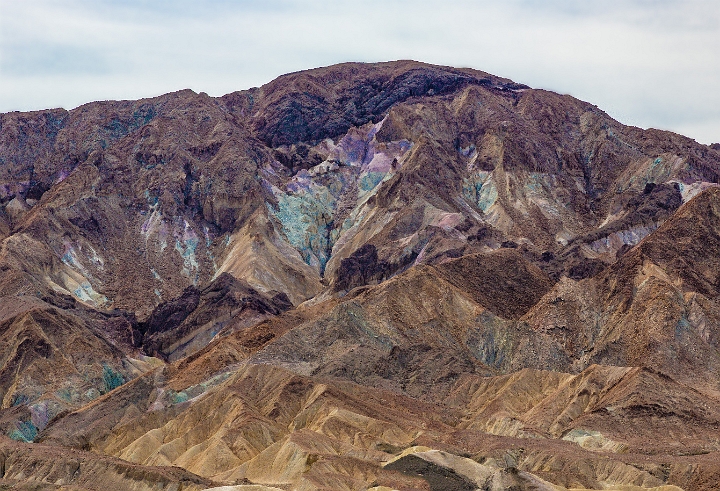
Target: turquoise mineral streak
[(25, 431), (111, 379), (306, 220), (480, 190)]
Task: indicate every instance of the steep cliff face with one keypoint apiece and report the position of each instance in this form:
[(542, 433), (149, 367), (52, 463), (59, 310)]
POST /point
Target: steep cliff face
[(388, 276)]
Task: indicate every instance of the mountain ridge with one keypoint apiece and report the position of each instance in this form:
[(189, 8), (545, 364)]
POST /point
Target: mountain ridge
[(363, 276)]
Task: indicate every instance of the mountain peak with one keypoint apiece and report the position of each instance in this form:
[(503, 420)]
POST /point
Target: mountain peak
[(364, 276)]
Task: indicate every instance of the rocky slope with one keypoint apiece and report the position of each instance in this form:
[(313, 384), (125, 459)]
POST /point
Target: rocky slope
[(387, 276)]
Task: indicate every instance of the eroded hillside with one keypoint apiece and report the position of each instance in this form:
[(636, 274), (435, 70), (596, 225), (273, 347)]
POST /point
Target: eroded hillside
[(364, 276)]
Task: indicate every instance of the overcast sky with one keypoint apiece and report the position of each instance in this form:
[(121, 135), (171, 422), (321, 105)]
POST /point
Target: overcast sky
[(650, 63)]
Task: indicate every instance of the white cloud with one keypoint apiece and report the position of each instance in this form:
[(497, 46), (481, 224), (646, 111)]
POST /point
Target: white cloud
[(646, 62)]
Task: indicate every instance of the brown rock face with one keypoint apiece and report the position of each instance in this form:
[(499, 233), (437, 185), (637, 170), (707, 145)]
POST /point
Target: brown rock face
[(184, 325), (364, 276)]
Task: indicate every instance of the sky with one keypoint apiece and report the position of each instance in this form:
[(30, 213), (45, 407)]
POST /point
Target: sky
[(648, 63)]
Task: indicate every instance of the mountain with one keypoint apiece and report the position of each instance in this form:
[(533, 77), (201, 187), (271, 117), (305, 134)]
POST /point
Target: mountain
[(365, 276)]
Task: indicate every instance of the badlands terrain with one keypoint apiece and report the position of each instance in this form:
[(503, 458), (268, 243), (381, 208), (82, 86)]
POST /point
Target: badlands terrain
[(392, 276)]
